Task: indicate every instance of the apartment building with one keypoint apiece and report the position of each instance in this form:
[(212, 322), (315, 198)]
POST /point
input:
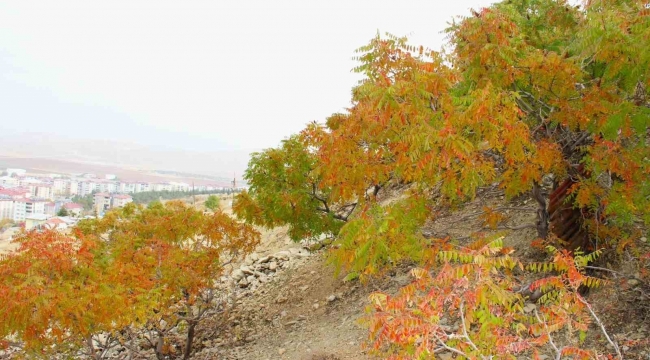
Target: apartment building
[(35, 206), (44, 191), (101, 203), (9, 181), (50, 208), (6, 207), (120, 200), (20, 210), (60, 187)]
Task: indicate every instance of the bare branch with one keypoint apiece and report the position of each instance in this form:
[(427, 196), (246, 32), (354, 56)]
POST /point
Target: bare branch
[(600, 324), (462, 321), (558, 353), (448, 348)]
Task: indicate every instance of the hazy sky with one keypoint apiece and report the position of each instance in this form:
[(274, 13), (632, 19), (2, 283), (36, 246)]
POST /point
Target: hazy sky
[(196, 75)]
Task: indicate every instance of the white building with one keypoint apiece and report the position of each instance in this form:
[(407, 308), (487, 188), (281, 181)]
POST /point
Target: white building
[(112, 187), (162, 187), (126, 188), (28, 182), (50, 208), (142, 187), (73, 188), (9, 181), (44, 191), (20, 210), (6, 207), (35, 206), (86, 188), (101, 203), (60, 187), (120, 200)]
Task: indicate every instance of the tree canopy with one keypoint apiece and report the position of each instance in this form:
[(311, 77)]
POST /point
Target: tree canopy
[(212, 202), (525, 90)]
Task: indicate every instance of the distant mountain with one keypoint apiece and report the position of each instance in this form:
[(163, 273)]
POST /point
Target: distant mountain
[(220, 164)]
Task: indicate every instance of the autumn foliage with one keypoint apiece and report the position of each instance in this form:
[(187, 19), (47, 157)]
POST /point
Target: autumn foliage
[(137, 268), (526, 94), (474, 306)]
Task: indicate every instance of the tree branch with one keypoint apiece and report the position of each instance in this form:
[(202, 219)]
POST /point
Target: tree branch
[(462, 321), (558, 353), (600, 324), (448, 348)]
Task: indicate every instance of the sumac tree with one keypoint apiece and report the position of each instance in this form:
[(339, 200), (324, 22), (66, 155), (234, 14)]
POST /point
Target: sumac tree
[(525, 91), (149, 269), (528, 90)]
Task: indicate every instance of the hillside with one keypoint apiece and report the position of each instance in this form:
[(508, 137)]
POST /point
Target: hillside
[(45, 165), (49, 152), (489, 200), (307, 313)]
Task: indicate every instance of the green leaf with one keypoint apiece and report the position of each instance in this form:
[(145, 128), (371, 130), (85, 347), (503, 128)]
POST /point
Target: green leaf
[(351, 276), (641, 120)]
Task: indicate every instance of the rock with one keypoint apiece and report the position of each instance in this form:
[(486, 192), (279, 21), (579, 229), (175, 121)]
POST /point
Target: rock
[(246, 270), (331, 298), (243, 283), (281, 351), (280, 299), (303, 288), (302, 254), (316, 306), (530, 307), (282, 255), (254, 257), (237, 275), (250, 278), (633, 282), (644, 239), (273, 265), (445, 356), (249, 261), (294, 251), (264, 259)]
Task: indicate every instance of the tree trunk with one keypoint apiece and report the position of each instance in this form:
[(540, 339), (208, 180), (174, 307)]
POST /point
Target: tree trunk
[(189, 340), (542, 212), (159, 346), (91, 348)]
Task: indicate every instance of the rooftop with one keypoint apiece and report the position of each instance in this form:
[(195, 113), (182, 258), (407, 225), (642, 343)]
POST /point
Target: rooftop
[(72, 206)]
